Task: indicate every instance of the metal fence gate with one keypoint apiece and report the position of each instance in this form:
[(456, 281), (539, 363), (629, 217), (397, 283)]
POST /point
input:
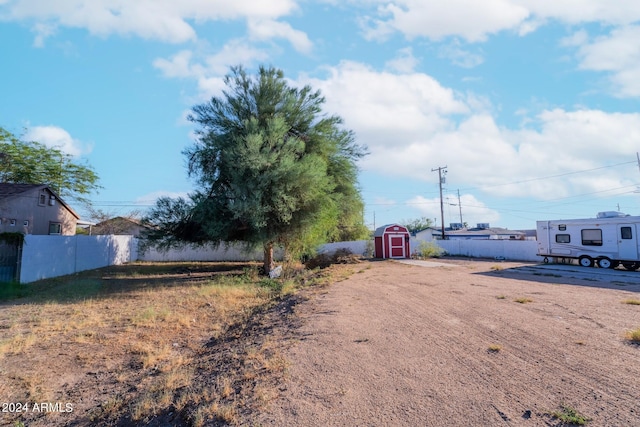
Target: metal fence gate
[(9, 261)]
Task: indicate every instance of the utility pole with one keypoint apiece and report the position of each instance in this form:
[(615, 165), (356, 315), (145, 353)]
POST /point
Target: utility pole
[(460, 207), (442, 172)]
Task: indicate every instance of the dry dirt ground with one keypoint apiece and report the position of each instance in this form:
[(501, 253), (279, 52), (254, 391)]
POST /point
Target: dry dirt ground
[(404, 345)]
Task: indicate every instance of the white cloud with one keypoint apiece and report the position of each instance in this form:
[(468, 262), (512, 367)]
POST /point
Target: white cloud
[(474, 21), (412, 124), (397, 105), (209, 69), (56, 137), (473, 210), (165, 20), (437, 19), (581, 11), (404, 62), (267, 29), (618, 54), (578, 38), (459, 56)]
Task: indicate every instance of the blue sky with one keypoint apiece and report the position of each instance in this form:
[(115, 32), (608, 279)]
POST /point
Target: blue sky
[(532, 105)]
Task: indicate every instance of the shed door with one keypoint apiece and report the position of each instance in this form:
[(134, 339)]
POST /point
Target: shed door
[(396, 246), (627, 241)]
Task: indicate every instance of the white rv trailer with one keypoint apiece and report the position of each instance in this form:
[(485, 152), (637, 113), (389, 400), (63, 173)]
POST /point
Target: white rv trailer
[(607, 241)]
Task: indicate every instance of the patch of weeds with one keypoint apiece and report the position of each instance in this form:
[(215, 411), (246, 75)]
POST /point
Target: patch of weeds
[(429, 250), (496, 268), (361, 340), (501, 297), (569, 415), (580, 343), (494, 348), (631, 302), (13, 290), (633, 336), (271, 284), (523, 300)]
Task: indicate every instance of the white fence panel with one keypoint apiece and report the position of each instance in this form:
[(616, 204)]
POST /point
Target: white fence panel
[(516, 250), (51, 256), (358, 247), (232, 252), (44, 257)]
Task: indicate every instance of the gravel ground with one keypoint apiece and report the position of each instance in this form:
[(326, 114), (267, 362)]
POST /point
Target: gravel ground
[(450, 345)]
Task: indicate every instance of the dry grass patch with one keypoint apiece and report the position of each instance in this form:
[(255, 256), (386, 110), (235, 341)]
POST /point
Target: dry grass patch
[(633, 336), (523, 300), (494, 348), (631, 301), (143, 332)]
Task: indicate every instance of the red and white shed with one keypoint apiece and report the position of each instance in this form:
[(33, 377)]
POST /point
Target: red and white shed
[(391, 241)]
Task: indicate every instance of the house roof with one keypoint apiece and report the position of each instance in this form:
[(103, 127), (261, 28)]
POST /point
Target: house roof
[(484, 231), (10, 190), (121, 219), (475, 231)]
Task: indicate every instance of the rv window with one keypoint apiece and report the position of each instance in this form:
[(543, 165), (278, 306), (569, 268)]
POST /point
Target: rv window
[(625, 233), (592, 237), (562, 227), (563, 238)]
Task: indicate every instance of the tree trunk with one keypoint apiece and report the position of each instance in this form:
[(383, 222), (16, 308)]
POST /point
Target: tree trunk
[(268, 258)]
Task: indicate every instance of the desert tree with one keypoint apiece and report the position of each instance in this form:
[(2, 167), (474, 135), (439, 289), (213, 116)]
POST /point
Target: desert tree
[(271, 168), (31, 162)]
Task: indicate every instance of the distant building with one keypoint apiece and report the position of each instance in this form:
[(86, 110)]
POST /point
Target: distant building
[(35, 209), (119, 225), (482, 231)]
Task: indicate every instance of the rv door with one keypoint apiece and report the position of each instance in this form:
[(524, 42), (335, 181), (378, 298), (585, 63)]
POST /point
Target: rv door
[(627, 241)]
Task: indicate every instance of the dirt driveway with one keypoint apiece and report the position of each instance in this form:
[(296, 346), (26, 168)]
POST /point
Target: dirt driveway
[(404, 345)]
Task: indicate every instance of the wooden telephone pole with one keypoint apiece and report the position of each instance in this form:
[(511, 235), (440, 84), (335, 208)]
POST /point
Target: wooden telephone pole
[(442, 172)]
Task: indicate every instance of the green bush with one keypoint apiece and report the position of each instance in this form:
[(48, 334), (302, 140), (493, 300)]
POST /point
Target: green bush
[(429, 250)]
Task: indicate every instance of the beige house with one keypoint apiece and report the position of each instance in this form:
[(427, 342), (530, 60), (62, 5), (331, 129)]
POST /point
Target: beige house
[(35, 209), (119, 225)]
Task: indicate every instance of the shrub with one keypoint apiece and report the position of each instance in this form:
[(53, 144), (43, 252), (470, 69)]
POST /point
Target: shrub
[(429, 250)]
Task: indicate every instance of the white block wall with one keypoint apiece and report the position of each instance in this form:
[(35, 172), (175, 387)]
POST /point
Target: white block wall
[(44, 257), (515, 250), (205, 253)]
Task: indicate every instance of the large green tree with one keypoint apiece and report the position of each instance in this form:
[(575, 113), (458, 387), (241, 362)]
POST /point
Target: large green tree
[(30, 162), (271, 168)]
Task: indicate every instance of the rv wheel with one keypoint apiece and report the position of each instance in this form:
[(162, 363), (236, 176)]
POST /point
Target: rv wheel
[(631, 265), (605, 263), (585, 261)]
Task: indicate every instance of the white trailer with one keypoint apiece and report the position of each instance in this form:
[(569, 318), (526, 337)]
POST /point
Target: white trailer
[(607, 241)]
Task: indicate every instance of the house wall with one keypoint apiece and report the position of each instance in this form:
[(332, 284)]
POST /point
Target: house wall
[(32, 217)]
